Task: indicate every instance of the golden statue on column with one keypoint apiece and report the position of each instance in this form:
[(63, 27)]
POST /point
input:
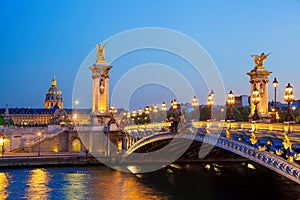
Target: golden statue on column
[(259, 60), (259, 83), (100, 91)]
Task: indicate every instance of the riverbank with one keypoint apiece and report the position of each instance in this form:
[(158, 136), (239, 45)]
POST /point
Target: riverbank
[(67, 159)]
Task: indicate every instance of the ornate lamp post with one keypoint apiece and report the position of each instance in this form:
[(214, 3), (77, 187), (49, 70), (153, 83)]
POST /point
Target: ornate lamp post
[(275, 84), (210, 103), (112, 110), (289, 97), (230, 103), (255, 100), (195, 105), (163, 106), (133, 113), (147, 112), (140, 111), (174, 104), (2, 139), (133, 116), (39, 149)]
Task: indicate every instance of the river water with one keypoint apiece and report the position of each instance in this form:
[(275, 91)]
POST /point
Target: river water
[(188, 181)]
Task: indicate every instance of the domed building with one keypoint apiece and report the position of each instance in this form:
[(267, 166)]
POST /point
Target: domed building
[(53, 96), (53, 112)]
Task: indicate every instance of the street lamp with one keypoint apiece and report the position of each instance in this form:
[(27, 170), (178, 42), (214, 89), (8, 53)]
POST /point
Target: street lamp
[(39, 150), (255, 100), (2, 139), (147, 112), (210, 103), (174, 104), (133, 113), (140, 111), (289, 97), (128, 115), (195, 105), (112, 110), (163, 106), (275, 84), (230, 103)]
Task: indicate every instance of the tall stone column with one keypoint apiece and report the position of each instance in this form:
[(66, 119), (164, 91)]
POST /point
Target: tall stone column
[(100, 88), (259, 80)]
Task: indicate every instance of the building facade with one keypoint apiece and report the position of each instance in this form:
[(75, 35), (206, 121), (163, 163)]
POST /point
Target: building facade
[(52, 113), (53, 96)]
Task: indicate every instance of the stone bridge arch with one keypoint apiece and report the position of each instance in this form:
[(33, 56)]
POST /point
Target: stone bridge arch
[(266, 159)]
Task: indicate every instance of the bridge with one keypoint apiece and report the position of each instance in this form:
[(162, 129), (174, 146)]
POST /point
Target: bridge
[(274, 146)]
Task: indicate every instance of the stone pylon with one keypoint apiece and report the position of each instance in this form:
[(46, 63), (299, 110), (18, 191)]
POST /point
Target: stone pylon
[(259, 80), (100, 88)]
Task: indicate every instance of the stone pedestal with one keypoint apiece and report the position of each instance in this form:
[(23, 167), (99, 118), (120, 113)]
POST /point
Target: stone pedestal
[(259, 80)]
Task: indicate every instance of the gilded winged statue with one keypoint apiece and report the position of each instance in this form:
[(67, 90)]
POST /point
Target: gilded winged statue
[(259, 60)]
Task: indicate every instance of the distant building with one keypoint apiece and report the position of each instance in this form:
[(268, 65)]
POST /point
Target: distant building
[(53, 96), (242, 100), (52, 113)]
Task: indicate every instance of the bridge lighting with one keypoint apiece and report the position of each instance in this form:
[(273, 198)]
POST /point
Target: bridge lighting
[(289, 98), (195, 105), (275, 84), (174, 105), (147, 110), (210, 103), (194, 102), (75, 117), (163, 106), (230, 103), (133, 113), (112, 109), (140, 111), (255, 100)]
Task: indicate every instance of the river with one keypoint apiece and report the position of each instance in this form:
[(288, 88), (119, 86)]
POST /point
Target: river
[(184, 181)]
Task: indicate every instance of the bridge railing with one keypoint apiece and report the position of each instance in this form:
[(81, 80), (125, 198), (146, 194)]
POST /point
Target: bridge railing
[(279, 127)]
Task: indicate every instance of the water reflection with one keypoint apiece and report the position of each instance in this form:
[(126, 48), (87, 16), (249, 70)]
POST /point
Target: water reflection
[(4, 183), (185, 182), (120, 185), (38, 185), (76, 185)]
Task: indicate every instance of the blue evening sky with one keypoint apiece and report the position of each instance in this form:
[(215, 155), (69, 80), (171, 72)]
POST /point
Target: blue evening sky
[(39, 38)]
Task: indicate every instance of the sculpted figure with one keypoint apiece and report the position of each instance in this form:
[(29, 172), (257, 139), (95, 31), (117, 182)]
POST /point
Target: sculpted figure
[(259, 60)]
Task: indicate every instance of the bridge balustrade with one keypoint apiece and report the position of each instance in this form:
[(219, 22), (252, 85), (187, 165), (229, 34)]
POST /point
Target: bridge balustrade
[(255, 141)]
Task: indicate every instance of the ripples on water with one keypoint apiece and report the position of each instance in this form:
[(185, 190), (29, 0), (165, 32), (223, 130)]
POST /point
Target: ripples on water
[(198, 181)]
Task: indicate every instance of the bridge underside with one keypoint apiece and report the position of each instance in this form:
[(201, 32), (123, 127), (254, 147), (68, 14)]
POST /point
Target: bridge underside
[(192, 153)]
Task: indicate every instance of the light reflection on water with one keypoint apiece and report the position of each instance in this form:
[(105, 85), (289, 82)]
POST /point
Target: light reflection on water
[(3, 185), (173, 182), (76, 185), (38, 185)]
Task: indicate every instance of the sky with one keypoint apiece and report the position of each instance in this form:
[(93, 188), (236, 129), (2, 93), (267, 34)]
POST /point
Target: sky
[(40, 38)]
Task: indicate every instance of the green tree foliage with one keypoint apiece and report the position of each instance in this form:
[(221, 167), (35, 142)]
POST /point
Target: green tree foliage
[(1, 120)]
